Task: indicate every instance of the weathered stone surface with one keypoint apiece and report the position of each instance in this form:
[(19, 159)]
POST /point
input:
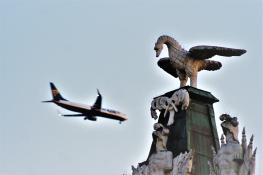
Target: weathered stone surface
[(182, 164), (233, 158), (162, 163), (193, 128), (161, 134), (180, 98)]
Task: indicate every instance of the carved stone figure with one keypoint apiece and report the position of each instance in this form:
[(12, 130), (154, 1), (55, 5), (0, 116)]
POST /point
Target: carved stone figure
[(233, 158), (230, 128), (162, 163), (160, 103), (182, 164), (161, 134), (183, 64), (179, 98), (140, 170)]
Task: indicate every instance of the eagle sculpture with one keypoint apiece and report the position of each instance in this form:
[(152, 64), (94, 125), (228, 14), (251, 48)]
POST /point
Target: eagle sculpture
[(183, 64)]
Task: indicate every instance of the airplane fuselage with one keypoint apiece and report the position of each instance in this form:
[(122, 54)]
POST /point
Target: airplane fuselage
[(86, 111), (90, 111)]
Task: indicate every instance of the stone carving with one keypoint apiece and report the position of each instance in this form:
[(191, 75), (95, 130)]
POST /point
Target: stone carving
[(159, 103), (184, 64), (179, 98), (162, 163), (161, 134), (233, 158), (230, 128), (183, 164), (140, 170)]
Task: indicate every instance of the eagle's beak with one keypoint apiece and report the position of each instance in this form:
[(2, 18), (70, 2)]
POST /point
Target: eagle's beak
[(158, 53)]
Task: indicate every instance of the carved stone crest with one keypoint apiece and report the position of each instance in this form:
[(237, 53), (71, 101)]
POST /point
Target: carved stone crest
[(170, 105)]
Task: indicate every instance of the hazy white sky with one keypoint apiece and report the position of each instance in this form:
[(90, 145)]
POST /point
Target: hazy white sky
[(82, 45)]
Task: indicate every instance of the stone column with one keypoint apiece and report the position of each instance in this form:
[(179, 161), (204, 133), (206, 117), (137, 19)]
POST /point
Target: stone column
[(193, 128)]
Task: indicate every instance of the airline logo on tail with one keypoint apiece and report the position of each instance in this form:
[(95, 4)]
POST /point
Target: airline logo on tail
[(54, 92)]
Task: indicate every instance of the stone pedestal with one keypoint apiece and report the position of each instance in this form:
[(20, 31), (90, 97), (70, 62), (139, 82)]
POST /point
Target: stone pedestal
[(193, 128)]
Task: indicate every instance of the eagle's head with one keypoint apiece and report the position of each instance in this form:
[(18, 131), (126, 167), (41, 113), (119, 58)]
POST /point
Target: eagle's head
[(158, 49)]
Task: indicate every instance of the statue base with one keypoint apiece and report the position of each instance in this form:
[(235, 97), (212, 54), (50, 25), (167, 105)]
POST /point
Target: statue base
[(192, 129)]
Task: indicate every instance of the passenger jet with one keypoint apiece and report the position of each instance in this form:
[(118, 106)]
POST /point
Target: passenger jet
[(88, 112)]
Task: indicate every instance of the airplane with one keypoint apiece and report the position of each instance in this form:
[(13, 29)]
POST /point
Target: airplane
[(88, 112)]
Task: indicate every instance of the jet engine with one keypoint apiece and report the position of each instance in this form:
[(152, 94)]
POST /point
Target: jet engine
[(92, 118)]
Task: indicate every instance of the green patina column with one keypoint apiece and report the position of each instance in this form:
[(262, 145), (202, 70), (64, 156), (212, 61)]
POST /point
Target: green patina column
[(193, 129), (201, 129)]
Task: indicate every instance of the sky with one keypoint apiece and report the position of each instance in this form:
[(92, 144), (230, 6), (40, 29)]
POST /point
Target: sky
[(81, 45)]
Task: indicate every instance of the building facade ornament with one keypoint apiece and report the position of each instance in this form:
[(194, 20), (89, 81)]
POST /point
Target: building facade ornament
[(233, 158), (161, 134), (163, 163), (180, 98)]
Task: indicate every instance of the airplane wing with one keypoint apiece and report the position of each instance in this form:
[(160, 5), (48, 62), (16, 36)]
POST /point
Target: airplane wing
[(111, 114), (72, 115)]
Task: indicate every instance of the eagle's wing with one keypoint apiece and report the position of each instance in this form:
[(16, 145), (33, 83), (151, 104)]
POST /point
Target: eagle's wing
[(211, 65), (205, 52), (166, 65)]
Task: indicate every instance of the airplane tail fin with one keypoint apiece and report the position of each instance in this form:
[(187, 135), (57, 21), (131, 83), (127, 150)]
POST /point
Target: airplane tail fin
[(55, 93), (98, 101)]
